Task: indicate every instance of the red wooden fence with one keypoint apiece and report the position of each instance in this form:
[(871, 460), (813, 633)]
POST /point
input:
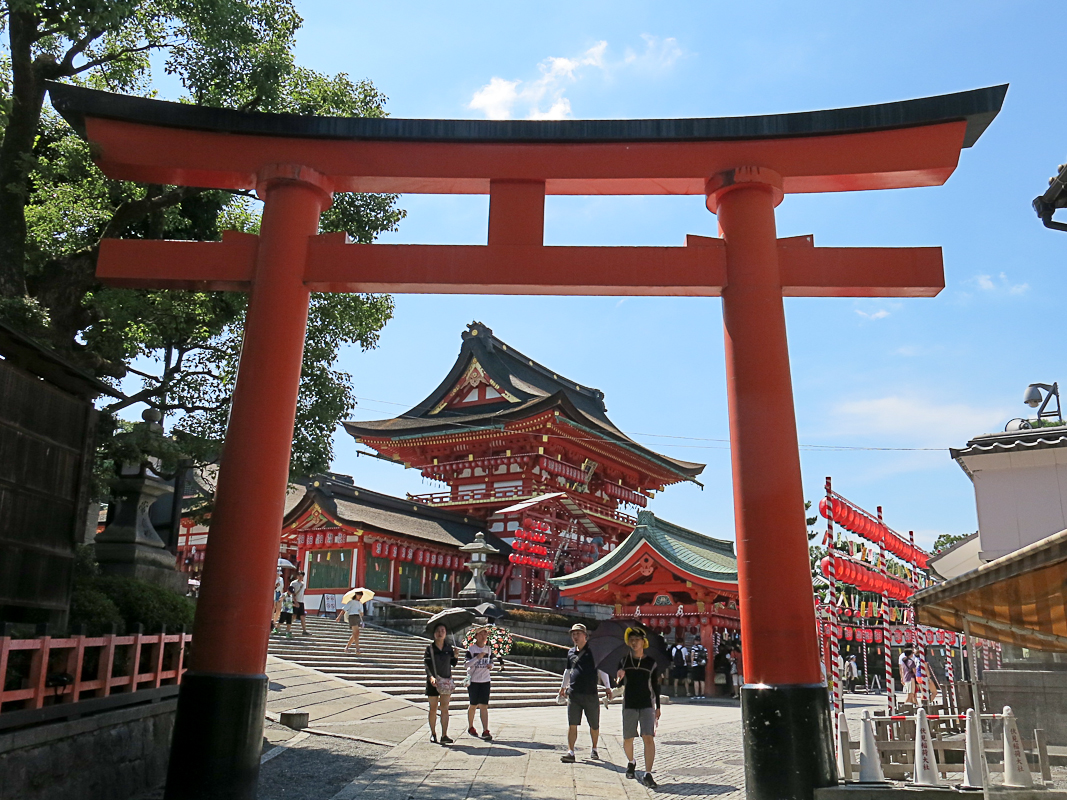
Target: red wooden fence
[(50, 657)]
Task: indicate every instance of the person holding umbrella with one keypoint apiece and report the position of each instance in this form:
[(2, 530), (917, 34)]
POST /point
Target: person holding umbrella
[(352, 610), (580, 688), (439, 659), (639, 675), (479, 658)]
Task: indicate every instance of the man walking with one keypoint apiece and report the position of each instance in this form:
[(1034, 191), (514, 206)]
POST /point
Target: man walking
[(698, 660), (680, 666), (852, 674), (296, 587), (580, 687), (639, 675)]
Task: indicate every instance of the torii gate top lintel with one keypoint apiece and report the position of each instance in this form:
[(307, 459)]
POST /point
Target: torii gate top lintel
[(889, 145)]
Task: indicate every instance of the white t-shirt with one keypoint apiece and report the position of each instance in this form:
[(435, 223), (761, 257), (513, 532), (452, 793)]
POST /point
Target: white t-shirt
[(479, 663), (279, 584), (297, 588), (353, 606)]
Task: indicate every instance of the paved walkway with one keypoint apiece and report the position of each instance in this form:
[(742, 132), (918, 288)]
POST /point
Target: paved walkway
[(364, 745)]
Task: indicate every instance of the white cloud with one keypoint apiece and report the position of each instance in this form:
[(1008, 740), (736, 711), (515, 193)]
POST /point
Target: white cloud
[(1001, 283), (879, 314), (658, 53), (538, 99), (544, 97), (926, 422)]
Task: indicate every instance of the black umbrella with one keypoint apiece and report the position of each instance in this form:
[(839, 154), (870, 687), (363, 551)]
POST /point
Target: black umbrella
[(489, 610), (608, 645), (454, 620)]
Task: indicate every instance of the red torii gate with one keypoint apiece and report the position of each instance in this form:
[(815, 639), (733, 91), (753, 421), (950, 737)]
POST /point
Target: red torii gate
[(742, 165)]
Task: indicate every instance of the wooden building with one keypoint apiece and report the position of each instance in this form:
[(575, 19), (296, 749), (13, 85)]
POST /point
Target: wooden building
[(345, 536), (47, 437), (502, 428)]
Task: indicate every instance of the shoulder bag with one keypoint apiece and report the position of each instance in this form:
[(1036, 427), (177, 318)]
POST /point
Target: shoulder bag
[(444, 686)]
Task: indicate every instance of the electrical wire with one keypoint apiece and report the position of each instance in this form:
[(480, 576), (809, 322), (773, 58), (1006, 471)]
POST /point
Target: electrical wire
[(720, 444)]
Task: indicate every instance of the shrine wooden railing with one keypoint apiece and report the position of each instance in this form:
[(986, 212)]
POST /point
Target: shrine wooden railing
[(462, 497), (43, 671)]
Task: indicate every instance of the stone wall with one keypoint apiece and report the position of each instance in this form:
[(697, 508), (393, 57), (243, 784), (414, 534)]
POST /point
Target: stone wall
[(1038, 699), (114, 755)]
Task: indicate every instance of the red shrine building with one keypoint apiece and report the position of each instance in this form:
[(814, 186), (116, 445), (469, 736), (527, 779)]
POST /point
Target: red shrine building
[(677, 581), (501, 429)]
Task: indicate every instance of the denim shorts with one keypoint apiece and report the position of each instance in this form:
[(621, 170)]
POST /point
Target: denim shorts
[(632, 717)]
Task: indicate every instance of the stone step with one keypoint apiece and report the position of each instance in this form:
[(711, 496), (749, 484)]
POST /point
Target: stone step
[(391, 662)]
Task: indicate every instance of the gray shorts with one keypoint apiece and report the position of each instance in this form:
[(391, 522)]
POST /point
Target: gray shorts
[(590, 704), (632, 716)]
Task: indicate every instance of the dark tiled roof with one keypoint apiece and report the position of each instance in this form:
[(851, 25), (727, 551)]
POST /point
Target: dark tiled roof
[(1010, 441), (530, 388), (700, 555), (366, 509)]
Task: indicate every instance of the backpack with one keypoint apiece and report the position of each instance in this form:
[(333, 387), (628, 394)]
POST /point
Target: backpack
[(700, 655), (679, 655)]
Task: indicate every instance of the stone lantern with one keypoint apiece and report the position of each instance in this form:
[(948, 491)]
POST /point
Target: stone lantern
[(477, 590)]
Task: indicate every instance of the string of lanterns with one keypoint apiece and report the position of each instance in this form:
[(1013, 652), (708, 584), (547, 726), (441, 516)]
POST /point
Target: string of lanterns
[(866, 580), (855, 520)]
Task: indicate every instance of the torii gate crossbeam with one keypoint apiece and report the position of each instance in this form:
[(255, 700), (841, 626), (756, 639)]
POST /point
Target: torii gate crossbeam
[(744, 166)]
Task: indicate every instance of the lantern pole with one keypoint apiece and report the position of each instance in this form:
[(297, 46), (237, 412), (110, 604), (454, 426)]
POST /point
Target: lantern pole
[(887, 646)]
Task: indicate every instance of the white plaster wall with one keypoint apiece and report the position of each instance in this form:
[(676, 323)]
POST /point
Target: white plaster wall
[(962, 559), (1021, 498)]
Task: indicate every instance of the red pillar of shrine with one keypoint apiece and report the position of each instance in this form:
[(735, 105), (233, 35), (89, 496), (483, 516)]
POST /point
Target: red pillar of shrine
[(785, 708), (218, 731)]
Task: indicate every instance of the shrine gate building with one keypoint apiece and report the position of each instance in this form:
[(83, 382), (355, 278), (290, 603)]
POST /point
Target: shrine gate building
[(501, 429)]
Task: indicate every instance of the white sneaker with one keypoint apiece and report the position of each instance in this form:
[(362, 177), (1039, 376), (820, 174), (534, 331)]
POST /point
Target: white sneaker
[(593, 754)]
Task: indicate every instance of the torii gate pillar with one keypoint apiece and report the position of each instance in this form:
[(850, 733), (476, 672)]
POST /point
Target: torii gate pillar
[(782, 678), (227, 685)]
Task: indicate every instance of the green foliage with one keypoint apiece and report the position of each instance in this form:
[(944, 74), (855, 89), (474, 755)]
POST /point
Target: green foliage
[(100, 601), (547, 618), (94, 610), (56, 206), (946, 540), (397, 612), (522, 648)]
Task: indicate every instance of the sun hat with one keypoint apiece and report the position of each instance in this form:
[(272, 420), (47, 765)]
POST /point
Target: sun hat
[(635, 632), (579, 627)]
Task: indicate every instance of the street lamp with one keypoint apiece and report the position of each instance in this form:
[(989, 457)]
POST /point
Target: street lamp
[(1033, 398)]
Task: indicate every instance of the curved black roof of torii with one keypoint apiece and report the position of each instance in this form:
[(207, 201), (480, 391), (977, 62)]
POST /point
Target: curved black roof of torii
[(530, 388), (977, 106)]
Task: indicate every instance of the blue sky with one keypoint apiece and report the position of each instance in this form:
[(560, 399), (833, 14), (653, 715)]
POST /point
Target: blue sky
[(924, 374)]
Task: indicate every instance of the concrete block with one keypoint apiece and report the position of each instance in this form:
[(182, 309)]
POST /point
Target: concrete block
[(295, 719)]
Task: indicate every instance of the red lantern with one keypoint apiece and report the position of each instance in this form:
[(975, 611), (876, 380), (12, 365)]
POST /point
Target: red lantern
[(377, 548), (848, 634), (940, 637), (877, 636)]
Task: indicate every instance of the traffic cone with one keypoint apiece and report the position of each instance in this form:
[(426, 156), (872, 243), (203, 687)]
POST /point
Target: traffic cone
[(1016, 770), (844, 749), (973, 757), (870, 763), (925, 760)]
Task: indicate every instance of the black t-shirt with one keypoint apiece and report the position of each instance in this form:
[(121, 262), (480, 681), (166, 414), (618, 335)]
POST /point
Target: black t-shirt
[(583, 671), (641, 682)]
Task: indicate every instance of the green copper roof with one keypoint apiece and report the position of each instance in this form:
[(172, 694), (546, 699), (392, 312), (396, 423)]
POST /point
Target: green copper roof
[(697, 554)]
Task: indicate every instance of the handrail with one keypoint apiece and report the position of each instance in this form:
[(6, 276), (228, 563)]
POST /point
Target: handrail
[(67, 684), (513, 635)]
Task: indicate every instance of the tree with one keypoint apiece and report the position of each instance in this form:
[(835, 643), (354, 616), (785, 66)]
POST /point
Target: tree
[(55, 207), (946, 540)]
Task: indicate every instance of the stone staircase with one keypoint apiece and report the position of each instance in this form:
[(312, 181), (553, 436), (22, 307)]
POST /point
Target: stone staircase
[(391, 662)]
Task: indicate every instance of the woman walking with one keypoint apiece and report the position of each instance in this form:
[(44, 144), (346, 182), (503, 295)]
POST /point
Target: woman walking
[(439, 659), (353, 614), (479, 658)]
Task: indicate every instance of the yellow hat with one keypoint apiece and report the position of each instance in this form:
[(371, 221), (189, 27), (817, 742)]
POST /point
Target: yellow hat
[(638, 632)]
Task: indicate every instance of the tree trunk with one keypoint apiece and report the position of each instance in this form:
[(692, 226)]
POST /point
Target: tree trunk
[(27, 97)]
